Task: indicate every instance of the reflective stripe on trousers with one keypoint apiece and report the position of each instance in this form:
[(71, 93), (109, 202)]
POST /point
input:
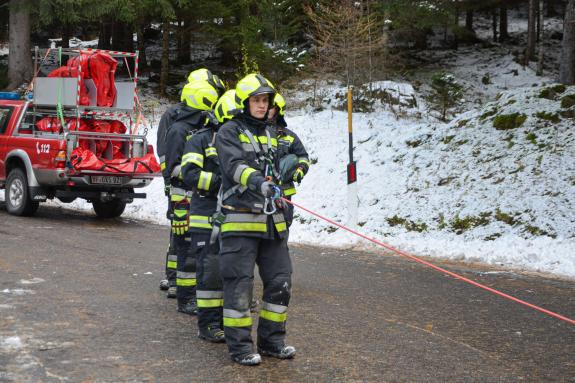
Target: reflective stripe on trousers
[(210, 299), (273, 312), (185, 279), (172, 261), (233, 318)]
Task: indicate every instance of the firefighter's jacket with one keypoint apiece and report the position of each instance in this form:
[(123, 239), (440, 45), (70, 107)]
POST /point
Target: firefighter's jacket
[(201, 173), (186, 122), (289, 143), (243, 168), (167, 119)]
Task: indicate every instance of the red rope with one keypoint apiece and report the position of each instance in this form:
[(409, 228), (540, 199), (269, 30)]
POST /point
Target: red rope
[(416, 259)]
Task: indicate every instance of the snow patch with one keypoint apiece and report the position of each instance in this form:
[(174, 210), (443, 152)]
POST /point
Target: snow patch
[(11, 342), (18, 291)]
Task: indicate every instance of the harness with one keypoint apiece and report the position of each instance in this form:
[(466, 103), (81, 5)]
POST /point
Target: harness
[(265, 161)]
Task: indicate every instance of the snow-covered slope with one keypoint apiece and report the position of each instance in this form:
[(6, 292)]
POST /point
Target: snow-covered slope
[(462, 190)]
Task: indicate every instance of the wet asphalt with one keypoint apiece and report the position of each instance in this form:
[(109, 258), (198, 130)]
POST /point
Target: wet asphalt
[(79, 302)]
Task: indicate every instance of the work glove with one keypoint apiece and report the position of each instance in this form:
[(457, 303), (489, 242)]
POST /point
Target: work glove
[(298, 174), (181, 218), (268, 189)]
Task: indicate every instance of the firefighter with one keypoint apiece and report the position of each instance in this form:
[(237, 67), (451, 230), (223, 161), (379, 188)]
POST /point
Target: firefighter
[(254, 230), (200, 97), (201, 172), (169, 116), (294, 160)]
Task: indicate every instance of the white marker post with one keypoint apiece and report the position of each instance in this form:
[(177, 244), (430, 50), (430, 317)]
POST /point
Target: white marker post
[(352, 201)]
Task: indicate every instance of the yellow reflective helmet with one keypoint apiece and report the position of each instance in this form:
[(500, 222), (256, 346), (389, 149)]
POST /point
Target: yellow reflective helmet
[(206, 75), (252, 85), (280, 102), (199, 95), (226, 107)]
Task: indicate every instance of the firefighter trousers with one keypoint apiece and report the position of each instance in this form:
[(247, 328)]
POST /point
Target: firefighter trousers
[(238, 257), (186, 272), (171, 254), (209, 291)]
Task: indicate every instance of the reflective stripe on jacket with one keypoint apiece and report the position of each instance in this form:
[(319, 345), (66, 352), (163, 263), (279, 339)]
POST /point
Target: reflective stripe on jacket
[(201, 173)]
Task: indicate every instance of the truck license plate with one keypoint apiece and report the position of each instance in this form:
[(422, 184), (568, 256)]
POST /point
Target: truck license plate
[(106, 180)]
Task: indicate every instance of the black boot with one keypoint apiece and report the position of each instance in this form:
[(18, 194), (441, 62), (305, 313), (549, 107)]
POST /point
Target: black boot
[(190, 307), (172, 289), (285, 352), (213, 333), (164, 284), (248, 359)]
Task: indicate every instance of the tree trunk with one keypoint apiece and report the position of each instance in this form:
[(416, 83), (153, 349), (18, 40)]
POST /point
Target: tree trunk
[(539, 19), (122, 36), (20, 57), (540, 32), (531, 35), (128, 37), (503, 33), (551, 9), (469, 20), (185, 51), (179, 39), (494, 23), (105, 35), (567, 71), (140, 27), (66, 34), (165, 57)]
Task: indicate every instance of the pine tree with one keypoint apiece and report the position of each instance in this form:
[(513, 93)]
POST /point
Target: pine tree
[(447, 92)]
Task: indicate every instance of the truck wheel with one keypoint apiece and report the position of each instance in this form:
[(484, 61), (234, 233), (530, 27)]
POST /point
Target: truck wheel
[(109, 209), (18, 201)]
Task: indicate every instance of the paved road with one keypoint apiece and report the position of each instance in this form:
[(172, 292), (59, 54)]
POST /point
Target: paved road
[(79, 303)]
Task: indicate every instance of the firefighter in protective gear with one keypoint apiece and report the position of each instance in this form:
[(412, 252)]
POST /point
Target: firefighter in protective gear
[(205, 75), (201, 172), (247, 149), (289, 144), (169, 116), (200, 97)]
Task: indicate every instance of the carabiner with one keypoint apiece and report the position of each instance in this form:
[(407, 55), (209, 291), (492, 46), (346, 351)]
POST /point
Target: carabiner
[(267, 203)]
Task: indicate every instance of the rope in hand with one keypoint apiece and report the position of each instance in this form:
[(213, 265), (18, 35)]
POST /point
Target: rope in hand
[(437, 268)]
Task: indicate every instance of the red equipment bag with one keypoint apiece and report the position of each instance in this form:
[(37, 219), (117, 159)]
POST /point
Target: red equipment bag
[(100, 67), (66, 71), (54, 124), (84, 159)]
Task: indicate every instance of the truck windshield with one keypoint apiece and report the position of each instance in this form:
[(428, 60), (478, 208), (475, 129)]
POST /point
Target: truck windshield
[(5, 113)]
